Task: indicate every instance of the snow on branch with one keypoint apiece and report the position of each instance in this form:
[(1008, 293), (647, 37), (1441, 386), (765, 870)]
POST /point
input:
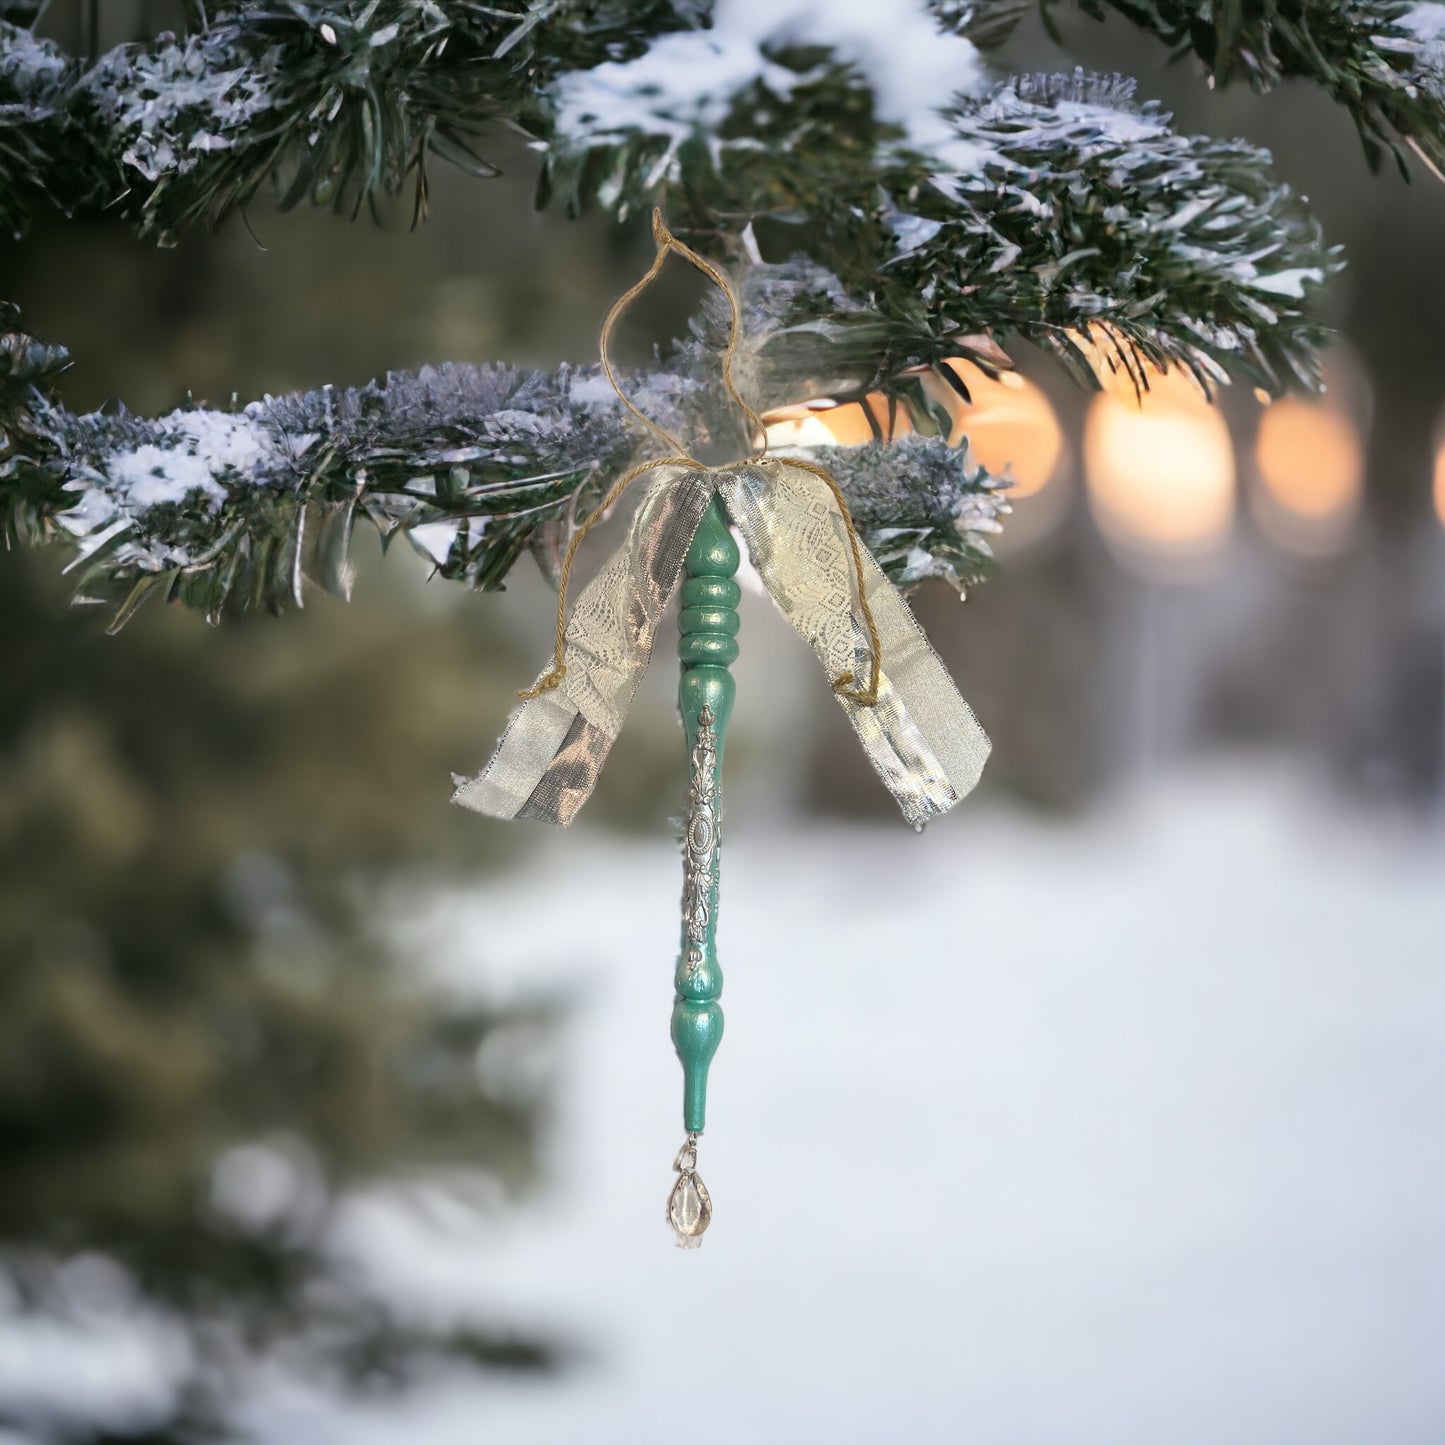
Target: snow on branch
[(1079, 215), (245, 508), (337, 103), (1055, 207), (1383, 60), (33, 78)]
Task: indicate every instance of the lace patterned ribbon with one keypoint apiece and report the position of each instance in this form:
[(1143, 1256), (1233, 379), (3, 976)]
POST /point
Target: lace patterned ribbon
[(920, 735)]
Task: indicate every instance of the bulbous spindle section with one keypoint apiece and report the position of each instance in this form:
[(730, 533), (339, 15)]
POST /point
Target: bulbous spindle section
[(707, 646)]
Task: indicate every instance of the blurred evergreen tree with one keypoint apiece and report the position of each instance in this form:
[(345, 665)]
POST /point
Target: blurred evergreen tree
[(201, 1048)]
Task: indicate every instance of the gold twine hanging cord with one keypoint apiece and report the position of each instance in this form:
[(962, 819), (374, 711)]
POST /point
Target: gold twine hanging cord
[(666, 243)]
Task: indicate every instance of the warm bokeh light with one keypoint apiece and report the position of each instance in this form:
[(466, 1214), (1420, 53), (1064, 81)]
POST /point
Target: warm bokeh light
[(1309, 457), (1007, 421), (1310, 462), (1440, 482), (1009, 424), (1160, 472), (1119, 367), (825, 423)]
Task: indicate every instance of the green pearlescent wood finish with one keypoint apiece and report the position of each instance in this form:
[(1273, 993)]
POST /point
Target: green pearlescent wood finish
[(707, 646)]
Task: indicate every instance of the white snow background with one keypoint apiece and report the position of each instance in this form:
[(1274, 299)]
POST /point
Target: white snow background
[(1138, 1138), (1117, 1131)]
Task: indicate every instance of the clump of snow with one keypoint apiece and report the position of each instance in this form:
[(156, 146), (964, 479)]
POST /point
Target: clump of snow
[(1425, 22), (151, 474), (192, 456), (1035, 115), (1120, 127), (197, 457), (103, 1359), (914, 68), (1423, 43), (686, 82), (1102, 105), (592, 390), (1289, 283), (36, 66), (202, 447)]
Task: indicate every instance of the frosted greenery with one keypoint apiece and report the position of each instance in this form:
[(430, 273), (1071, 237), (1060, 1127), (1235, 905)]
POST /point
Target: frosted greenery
[(871, 237), (1381, 59), (472, 465)]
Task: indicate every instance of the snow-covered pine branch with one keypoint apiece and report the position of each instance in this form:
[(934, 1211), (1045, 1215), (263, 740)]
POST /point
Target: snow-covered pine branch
[(1053, 207), (884, 220), (473, 465), (338, 104), (1383, 60)]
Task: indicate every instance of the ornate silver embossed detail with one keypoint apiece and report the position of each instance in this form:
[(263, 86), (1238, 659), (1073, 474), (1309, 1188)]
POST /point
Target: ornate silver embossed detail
[(701, 837)]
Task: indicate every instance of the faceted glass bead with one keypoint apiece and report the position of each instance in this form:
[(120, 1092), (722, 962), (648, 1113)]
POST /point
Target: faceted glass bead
[(689, 1209)]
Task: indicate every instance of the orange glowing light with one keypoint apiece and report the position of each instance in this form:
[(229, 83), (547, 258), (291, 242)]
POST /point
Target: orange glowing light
[(1119, 367), (830, 424), (1008, 423), (1311, 464), (1160, 470), (1440, 482)]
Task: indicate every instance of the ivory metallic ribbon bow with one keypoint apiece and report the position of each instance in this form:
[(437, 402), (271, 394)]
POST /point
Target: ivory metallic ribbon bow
[(919, 734)]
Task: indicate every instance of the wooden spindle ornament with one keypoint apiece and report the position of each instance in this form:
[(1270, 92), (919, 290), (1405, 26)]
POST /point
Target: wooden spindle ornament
[(707, 645)]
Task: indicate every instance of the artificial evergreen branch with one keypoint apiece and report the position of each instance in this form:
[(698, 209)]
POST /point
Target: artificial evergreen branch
[(32, 81), (1055, 208), (338, 104), (1059, 210), (473, 465), (1384, 60), (985, 22)]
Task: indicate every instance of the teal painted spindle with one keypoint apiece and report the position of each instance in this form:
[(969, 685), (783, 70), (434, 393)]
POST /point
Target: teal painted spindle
[(707, 646)]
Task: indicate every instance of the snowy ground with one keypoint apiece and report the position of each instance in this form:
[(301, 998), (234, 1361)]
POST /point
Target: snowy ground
[(1125, 1130)]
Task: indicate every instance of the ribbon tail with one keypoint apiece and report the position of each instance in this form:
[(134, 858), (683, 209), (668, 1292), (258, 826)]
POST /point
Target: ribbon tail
[(550, 756), (921, 736)]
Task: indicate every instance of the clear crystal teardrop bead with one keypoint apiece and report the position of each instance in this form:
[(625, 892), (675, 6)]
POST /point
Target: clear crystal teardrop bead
[(689, 1206)]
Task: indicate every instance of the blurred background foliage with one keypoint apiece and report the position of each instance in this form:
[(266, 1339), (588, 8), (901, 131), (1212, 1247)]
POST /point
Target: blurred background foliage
[(205, 1042), (205, 1045)]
